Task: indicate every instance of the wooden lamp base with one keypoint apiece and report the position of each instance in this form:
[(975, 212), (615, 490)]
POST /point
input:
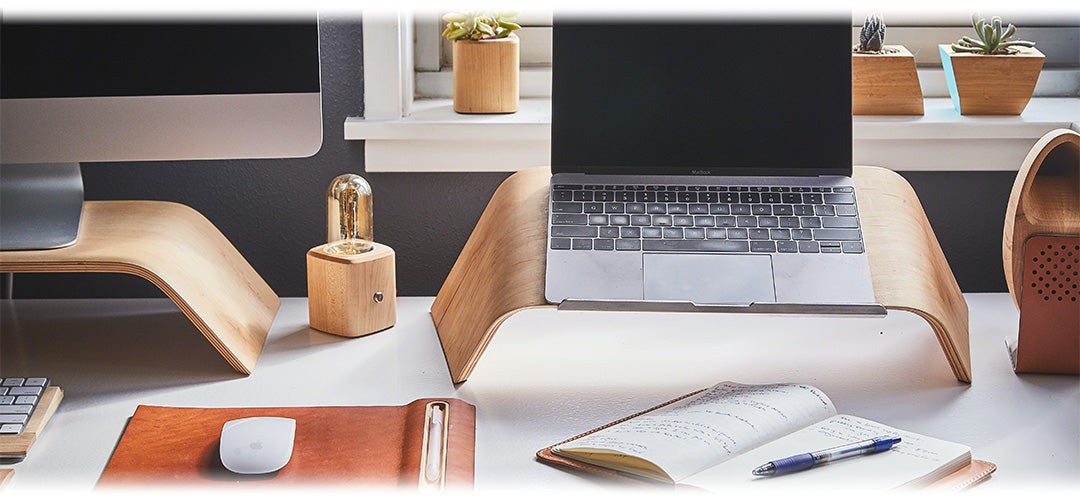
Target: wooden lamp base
[(351, 295)]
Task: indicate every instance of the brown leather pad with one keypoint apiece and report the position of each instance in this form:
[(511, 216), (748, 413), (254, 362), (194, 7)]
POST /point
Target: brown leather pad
[(372, 445)]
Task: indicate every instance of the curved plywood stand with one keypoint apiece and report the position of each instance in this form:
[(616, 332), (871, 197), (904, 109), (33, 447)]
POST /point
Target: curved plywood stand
[(183, 254), (499, 272), (501, 269)]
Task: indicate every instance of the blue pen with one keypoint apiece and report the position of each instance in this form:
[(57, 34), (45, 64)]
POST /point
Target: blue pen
[(805, 461)]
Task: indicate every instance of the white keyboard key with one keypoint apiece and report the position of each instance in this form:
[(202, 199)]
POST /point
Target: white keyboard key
[(7, 400), (25, 391), (26, 400), (13, 419), (21, 409), (36, 382), (13, 382), (11, 429)]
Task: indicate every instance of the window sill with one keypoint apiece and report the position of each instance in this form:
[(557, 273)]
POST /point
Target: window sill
[(433, 138)]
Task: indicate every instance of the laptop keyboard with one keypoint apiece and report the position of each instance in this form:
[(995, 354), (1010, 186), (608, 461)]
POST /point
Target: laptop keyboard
[(682, 218)]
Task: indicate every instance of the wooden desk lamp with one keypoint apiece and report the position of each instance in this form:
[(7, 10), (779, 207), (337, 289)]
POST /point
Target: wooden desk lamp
[(351, 279)]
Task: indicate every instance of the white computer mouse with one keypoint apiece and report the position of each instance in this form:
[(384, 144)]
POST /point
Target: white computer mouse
[(257, 445)]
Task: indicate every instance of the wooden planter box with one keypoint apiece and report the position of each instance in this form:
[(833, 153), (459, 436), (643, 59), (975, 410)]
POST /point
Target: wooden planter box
[(486, 75), (991, 84), (885, 84)]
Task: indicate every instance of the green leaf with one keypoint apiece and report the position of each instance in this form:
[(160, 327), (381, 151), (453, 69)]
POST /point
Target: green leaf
[(485, 28), (1018, 43), (996, 32), (457, 33), (1009, 32), (509, 25), (988, 35), (453, 17), (967, 41)]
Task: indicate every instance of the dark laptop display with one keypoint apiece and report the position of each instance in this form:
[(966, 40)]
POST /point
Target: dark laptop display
[(747, 96), (704, 165)]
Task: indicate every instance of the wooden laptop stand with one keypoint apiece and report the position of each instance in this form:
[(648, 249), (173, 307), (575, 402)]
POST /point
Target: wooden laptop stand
[(501, 269), (182, 253)]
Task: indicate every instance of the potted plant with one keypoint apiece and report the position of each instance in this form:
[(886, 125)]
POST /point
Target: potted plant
[(486, 55), (992, 75), (883, 77)]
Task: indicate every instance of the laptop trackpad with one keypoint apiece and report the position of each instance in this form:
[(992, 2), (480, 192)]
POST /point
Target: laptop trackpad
[(708, 278)]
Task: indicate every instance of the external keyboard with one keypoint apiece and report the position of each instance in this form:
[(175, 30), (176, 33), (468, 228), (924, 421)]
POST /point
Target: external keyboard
[(764, 219), (18, 398)]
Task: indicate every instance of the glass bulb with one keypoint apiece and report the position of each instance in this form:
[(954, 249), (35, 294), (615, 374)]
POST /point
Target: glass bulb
[(349, 223)]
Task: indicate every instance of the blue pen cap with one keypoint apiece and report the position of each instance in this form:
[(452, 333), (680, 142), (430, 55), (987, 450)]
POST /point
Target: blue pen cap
[(886, 442)]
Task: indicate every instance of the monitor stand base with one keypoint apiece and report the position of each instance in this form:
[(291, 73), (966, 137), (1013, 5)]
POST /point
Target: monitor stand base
[(40, 205)]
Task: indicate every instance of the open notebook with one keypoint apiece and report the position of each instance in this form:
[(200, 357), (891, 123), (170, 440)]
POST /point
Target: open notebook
[(713, 439)]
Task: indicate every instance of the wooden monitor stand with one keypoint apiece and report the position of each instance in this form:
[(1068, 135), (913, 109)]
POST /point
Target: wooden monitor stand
[(182, 253), (501, 269)]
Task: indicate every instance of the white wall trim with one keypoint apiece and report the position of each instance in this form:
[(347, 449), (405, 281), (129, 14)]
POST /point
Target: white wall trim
[(388, 65), (435, 139)]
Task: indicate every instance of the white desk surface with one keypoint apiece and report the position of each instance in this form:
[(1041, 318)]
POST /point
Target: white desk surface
[(546, 376)]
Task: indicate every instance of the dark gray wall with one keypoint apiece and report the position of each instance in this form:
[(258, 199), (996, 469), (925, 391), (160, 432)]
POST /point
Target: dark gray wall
[(273, 210)]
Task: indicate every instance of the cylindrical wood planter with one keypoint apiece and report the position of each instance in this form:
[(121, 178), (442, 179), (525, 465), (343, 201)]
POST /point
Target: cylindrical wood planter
[(982, 84), (486, 75), (886, 83), (351, 294)]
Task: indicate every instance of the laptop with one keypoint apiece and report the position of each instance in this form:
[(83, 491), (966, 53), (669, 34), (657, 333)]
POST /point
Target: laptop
[(704, 165)]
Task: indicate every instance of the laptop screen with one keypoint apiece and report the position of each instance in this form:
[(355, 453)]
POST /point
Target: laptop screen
[(715, 97)]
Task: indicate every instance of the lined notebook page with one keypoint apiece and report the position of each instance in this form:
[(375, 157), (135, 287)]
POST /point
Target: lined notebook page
[(916, 459), (686, 437)]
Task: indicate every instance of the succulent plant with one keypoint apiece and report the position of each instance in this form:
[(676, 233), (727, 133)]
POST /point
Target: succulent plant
[(479, 25), (872, 35), (992, 38)]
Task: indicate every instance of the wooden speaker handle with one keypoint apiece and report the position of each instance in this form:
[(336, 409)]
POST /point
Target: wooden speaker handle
[(1045, 199)]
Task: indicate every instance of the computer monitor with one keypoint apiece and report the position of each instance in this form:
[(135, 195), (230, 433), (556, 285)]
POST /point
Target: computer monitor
[(97, 90)]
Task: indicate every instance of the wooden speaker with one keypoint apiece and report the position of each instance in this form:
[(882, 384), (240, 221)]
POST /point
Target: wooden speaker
[(1041, 254), (351, 294)]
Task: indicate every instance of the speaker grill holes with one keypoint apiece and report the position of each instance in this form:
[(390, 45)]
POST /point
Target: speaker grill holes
[(1051, 259)]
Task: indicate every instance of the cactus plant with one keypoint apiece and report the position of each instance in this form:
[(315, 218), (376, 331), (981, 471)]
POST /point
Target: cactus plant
[(992, 38), (476, 25), (872, 35)]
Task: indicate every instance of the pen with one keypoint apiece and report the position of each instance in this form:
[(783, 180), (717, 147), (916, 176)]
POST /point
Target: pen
[(805, 461)]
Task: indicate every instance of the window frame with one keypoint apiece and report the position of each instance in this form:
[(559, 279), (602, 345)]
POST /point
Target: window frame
[(408, 125)]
